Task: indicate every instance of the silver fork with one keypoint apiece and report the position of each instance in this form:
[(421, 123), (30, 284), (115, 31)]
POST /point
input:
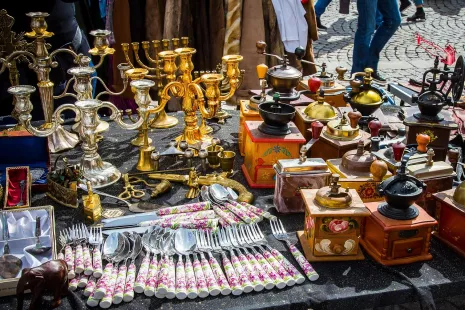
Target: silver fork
[(76, 236), (258, 284), (95, 239), (233, 279), (213, 287), (225, 243), (69, 253), (207, 242), (280, 233)]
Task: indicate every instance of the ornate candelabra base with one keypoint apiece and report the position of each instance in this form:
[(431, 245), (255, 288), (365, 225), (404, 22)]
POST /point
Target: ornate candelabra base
[(204, 128), (139, 139), (163, 121), (62, 140), (99, 172)]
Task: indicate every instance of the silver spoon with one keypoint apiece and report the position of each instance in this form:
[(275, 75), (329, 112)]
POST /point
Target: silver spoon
[(38, 248), (10, 265)]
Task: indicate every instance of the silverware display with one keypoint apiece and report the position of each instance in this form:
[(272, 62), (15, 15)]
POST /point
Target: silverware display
[(38, 248), (10, 265), (22, 185)]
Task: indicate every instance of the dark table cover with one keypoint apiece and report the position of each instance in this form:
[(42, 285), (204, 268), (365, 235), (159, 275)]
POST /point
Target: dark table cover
[(342, 285)]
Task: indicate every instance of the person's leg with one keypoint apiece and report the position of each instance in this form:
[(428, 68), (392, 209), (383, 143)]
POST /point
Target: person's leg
[(391, 21), (365, 29), (320, 8), (379, 18), (404, 4), (419, 13)]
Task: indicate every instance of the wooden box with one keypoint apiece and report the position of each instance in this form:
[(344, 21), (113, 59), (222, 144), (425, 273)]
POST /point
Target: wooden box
[(362, 182), (332, 234), (451, 218), (246, 114), (327, 148), (433, 186), (17, 188), (262, 151), (396, 242)]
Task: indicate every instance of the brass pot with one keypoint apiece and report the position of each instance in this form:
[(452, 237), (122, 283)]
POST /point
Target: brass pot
[(284, 79)]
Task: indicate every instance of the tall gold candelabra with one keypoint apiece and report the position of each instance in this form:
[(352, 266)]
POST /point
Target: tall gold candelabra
[(41, 62)]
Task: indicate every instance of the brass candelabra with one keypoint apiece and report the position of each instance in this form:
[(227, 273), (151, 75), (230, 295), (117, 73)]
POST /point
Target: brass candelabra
[(41, 62)]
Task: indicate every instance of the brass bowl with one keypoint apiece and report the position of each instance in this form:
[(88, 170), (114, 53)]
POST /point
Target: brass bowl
[(363, 106)]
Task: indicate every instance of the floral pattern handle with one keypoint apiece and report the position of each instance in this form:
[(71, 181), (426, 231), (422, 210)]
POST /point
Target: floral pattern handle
[(61, 256), (256, 210), (163, 276), (128, 294), (219, 276), (191, 283), (119, 286), (296, 275), (279, 268), (277, 280), (79, 260), (90, 287), (200, 278), (262, 275), (97, 262), (243, 275), (73, 284), (150, 278), (171, 279), (226, 216), (233, 278), (181, 289), (253, 278), (88, 268), (212, 285), (239, 213), (107, 300), (193, 207), (141, 279), (83, 279), (69, 257), (71, 273), (103, 283), (311, 274), (249, 212)]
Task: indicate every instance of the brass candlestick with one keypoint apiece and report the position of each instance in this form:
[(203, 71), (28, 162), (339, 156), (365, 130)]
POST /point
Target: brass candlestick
[(193, 95), (41, 62)]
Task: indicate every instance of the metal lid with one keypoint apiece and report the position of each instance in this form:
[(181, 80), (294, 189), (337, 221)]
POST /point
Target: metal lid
[(333, 196), (320, 110), (341, 129), (297, 166), (369, 96), (358, 160), (285, 72)]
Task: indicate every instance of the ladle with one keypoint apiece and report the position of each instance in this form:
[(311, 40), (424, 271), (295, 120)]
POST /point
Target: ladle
[(184, 244), (10, 265), (38, 248)]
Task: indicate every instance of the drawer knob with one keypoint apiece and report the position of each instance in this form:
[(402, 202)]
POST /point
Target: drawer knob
[(409, 250)]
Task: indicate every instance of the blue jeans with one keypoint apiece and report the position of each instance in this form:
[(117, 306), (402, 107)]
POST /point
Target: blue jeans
[(367, 46), (418, 2), (320, 7)]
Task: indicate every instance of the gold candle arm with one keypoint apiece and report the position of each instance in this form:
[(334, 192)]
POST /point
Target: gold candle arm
[(65, 91), (146, 48), (176, 88), (135, 48), (232, 72), (6, 62), (125, 48), (117, 116), (100, 62), (77, 57)]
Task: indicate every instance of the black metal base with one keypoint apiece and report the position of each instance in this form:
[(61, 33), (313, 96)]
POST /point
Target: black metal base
[(422, 117), (398, 214), (291, 96), (274, 130)]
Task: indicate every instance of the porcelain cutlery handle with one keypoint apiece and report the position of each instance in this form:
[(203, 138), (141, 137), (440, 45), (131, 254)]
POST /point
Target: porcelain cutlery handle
[(248, 211), (229, 217), (276, 278), (97, 262), (71, 272), (92, 301), (193, 207), (73, 284), (88, 268), (254, 279), (243, 275), (191, 283), (78, 260), (90, 287), (104, 282), (311, 274), (61, 256), (262, 275), (213, 287), (296, 275), (171, 279), (141, 279), (120, 283), (279, 268), (181, 289), (129, 286), (239, 213), (150, 277), (83, 279), (233, 279), (107, 300), (69, 257), (219, 276), (256, 210), (200, 278), (163, 275)]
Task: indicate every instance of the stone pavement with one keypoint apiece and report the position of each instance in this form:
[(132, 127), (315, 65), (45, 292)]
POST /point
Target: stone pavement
[(401, 59)]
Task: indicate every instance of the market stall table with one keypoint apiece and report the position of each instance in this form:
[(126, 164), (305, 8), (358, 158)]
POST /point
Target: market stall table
[(342, 285)]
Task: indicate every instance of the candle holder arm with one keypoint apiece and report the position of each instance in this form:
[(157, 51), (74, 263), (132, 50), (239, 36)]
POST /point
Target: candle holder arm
[(176, 88), (65, 91), (100, 62), (6, 62), (107, 90), (77, 57), (200, 101), (117, 116)]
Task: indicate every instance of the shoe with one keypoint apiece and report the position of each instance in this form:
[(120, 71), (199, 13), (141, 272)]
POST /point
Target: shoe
[(378, 78), (319, 25), (418, 15), (404, 4)]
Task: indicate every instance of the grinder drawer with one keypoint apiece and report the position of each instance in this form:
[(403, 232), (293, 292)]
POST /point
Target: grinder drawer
[(406, 248)]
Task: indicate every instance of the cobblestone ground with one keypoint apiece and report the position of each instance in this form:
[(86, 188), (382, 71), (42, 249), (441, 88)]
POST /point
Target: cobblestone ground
[(401, 59)]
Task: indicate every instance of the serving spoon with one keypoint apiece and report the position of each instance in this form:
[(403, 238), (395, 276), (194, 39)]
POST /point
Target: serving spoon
[(38, 248)]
